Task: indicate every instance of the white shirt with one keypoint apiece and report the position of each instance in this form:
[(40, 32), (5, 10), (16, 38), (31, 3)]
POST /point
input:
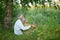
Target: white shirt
[(19, 26)]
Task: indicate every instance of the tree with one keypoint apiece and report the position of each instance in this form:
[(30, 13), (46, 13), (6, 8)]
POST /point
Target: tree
[(7, 15), (26, 2)]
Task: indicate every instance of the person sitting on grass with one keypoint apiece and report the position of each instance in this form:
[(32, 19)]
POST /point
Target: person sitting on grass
[(21, 24)]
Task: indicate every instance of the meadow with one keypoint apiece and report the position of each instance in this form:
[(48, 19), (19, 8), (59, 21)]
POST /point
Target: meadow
[(48, 20)]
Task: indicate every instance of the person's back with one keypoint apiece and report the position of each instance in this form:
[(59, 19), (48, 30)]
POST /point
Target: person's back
[(17, 27)]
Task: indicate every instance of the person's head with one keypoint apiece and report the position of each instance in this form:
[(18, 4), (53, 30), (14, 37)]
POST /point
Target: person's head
[(21, 17)]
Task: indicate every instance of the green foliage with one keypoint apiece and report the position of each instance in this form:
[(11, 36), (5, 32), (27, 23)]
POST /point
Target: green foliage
[(26, 2), (48, 21), (2, 10)]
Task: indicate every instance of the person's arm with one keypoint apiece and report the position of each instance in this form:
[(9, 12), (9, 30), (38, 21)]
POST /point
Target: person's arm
[(22, 26), (25, 28)]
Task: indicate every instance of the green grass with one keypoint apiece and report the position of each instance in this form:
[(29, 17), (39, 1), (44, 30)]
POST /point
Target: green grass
[(48, 21)]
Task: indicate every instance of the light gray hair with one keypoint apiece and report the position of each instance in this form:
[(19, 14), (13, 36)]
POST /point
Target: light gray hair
[(19, 16)]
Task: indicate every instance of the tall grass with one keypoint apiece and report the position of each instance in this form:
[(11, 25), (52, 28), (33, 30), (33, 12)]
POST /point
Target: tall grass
[(48, 21)]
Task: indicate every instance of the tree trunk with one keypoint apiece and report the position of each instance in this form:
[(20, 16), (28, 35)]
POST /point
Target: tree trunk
[(8, 14)]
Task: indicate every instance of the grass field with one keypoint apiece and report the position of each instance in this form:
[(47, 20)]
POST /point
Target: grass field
[(48, 28)]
